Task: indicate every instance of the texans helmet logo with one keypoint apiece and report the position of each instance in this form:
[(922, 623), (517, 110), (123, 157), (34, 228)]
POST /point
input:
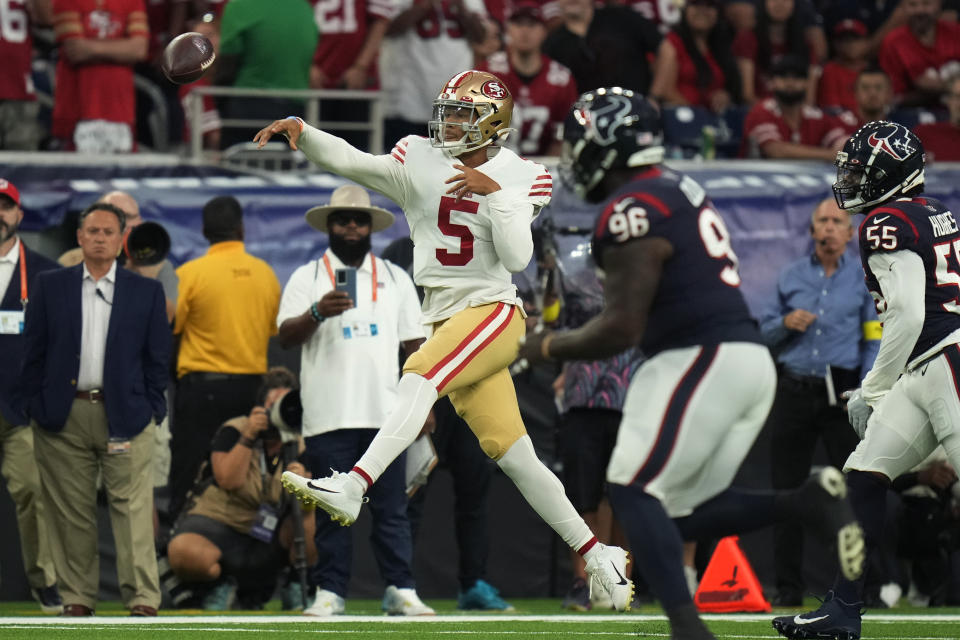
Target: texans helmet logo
[(883, 144), (604, 121), (493, 90)]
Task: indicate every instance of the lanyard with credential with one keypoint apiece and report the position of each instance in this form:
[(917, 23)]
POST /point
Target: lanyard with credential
[(23, 279), (373, 268)]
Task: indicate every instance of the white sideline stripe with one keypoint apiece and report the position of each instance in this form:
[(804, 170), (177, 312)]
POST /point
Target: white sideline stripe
[(469, 348), (457, 632), (627, 618)]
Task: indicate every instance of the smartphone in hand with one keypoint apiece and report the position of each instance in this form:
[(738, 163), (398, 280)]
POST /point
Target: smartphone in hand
[(346, 280)]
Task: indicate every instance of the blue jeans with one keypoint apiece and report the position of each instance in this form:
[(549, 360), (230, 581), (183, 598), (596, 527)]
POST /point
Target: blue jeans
[(390, 535)]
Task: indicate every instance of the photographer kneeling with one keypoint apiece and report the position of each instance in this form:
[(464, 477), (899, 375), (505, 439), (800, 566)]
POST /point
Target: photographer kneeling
[(238, 532)]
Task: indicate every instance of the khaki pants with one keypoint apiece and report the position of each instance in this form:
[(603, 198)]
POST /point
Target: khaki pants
[(69, 462), (19, 469)]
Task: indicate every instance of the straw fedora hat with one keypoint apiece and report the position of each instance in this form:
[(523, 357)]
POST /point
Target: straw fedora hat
[(349, 196)]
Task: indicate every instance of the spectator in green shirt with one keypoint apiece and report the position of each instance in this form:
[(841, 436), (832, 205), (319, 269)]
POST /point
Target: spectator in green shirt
[(264, 45)]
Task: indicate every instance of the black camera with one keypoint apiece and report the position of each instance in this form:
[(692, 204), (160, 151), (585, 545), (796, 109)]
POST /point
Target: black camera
[(286, 415), (147, 244)]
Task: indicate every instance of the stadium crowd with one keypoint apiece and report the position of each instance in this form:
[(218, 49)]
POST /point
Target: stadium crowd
[(736, 78), (768, 79)]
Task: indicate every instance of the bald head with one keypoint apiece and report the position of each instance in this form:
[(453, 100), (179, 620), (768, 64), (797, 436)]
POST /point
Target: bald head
[(829, 207), (125, 202), (831, 230)]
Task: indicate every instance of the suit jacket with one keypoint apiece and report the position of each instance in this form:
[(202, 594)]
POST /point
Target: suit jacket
[(11, 346), (137, 354)]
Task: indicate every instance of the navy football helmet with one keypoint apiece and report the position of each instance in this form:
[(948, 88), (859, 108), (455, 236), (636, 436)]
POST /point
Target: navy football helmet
[(881, 161), (608, 129)]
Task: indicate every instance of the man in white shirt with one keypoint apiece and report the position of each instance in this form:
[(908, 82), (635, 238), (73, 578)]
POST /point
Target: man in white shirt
[(469, 206), (94, 373), (350, 345), (19, 266)]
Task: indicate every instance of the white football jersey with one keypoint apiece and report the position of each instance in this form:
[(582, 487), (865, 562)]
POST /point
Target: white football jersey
[(455, 259), (465, 250)]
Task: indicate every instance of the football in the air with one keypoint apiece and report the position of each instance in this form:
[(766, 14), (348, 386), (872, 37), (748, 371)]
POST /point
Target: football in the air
[(187, 57)]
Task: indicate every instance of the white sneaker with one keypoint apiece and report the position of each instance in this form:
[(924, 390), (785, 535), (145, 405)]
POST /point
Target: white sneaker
[(607, 569), (339, 494), (404, 602), (600, 600), (325, 604)]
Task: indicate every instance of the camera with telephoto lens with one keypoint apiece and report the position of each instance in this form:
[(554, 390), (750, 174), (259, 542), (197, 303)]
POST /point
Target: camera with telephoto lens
[(147, 244), (285, 417)]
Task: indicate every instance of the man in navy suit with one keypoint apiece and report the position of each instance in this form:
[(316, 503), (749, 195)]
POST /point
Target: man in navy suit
[(19, 267), (94, 373)]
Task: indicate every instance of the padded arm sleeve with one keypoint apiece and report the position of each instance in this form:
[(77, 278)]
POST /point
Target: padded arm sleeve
[(902, 280)]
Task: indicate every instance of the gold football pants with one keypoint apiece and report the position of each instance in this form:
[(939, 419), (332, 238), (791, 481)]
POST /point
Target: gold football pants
[(467, 358)]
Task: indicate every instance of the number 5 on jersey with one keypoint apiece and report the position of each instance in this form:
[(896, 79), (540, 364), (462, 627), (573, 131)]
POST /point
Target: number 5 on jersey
[(447, 206)]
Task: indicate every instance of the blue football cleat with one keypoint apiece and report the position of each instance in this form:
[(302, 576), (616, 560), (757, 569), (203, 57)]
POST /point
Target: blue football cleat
[(482, 596), (834, 620)]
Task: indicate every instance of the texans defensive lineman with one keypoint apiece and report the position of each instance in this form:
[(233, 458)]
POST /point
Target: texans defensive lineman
[(694, 408), (908, 403), (469, 206)]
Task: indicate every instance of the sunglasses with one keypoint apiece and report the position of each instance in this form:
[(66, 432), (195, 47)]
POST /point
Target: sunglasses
[(343, 218)]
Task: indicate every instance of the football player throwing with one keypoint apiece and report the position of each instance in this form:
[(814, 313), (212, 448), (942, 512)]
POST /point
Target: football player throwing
[(469, 206)]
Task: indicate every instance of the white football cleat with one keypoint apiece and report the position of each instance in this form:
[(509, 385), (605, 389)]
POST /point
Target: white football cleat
[(404, 602), (339, 494), (325, 604), (607, 569)]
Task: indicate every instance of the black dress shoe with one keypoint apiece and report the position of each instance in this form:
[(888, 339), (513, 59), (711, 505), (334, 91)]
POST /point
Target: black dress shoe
[(143, 611)]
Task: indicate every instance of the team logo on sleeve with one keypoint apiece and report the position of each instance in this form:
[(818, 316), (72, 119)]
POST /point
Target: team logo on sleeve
[(493, 90)]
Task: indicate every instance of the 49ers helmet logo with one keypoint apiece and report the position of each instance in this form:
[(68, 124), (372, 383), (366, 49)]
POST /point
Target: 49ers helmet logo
[(493, 90), (898, 149)]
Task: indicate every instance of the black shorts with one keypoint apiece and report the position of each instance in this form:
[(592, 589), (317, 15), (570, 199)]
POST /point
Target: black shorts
[(247, 559), (587, 437)]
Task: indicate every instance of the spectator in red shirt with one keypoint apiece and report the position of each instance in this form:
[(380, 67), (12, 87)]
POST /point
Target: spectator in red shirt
[(779, 32), (873, 96), (543, 89), (784, 127), (351, 32), (19, 128), (851, 44), (941, 140), (93, 110), (350, 35), (694, 65), (921, 54)]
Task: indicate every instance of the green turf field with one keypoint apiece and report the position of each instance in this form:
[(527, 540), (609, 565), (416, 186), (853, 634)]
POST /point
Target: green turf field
[(537, 619)]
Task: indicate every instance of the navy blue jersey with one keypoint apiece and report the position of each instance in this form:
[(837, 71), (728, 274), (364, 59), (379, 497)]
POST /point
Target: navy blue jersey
[(698, 300), (926, 227)]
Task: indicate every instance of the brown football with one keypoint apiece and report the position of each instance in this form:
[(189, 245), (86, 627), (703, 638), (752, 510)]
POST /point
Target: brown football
[(187, 57)]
